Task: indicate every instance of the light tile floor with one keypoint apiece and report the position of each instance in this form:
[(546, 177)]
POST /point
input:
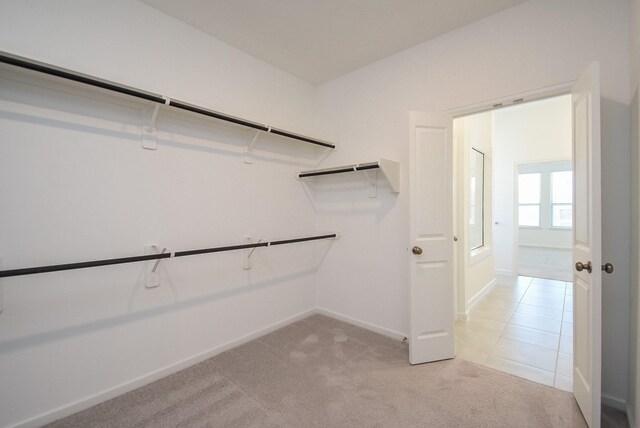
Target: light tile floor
[(524, 326)]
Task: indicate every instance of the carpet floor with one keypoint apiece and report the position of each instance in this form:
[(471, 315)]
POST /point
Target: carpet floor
[(320, 372)]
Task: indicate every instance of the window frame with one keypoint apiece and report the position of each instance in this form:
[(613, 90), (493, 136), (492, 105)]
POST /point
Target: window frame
[(546, 205), (481, 221), (539, 204), (552, 204)]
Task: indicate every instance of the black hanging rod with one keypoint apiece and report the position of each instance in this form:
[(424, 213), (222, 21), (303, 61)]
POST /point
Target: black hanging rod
[(340, 170), (121, 260), (149, 96)]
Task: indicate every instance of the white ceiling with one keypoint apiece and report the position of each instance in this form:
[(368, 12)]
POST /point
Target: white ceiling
[(319, 40)]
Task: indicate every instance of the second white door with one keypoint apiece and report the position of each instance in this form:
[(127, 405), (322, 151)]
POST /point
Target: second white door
[(587, 244), (431, 250)]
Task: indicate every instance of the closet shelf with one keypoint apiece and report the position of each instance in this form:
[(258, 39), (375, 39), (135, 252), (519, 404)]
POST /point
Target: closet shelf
[(51, 70), (389, 168)]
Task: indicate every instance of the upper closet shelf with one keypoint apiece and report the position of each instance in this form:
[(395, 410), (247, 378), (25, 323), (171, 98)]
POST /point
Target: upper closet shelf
[(30, 64), (389, 168)]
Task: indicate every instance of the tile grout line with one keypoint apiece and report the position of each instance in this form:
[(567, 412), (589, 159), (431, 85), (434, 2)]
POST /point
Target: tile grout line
[(509, 321), (562, 324), (500, 334), (516, 308), (564, 300)]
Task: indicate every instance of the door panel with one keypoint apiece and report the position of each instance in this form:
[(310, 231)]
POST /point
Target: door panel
[(587, 244), (432, 311), (581, 167)]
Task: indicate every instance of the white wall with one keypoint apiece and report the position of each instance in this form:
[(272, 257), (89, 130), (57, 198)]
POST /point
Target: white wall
[(634, 45), (534, 132), (633, 403), (528, 46), (76, 185), (475, 267), (634, 340)]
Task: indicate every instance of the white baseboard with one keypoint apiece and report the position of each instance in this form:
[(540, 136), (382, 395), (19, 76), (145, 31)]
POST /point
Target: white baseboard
[(368, 326), (616, 403), (462, 316), (480, 295), (92, 400)]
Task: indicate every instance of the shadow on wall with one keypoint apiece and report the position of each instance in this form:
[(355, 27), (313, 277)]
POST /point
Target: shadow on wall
[(350, 194), (131, 317), (123, 196), (616, 244), (70, 107)]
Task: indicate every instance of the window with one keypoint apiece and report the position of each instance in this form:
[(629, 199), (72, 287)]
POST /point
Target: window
[(545, 195), (476, 199), (561, 199), (529, 186)]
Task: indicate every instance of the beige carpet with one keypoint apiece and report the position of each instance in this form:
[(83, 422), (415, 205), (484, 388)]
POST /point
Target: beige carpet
[(320, 372)]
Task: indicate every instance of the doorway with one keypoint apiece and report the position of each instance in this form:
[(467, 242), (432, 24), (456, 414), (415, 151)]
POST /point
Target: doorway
[(513, 224), (544, 227)]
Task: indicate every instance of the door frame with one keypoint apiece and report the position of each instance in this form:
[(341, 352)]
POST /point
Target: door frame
[(563, 88)]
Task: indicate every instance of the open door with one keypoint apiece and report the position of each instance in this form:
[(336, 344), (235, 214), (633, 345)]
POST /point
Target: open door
[(431, 249), (587, 244)]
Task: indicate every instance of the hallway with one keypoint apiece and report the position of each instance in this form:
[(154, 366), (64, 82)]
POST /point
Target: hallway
[(524, 327)]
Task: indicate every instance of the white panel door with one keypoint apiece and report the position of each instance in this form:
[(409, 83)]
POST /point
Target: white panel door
[(431, 249), (587, 244)]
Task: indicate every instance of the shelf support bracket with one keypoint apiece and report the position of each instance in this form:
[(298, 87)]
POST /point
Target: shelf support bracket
[(246, 257), (372, 178), (152, 277), (149, 134), (248, 152)]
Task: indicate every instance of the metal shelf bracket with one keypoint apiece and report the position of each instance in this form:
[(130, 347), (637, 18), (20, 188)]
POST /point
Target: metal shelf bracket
[(149, 134), (246, 256), (372, 178), (152, 276), (248, 152)]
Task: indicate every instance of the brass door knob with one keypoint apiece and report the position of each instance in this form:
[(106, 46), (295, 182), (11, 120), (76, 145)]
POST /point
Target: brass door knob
[(580, 266), (607, 267), (416, 250)]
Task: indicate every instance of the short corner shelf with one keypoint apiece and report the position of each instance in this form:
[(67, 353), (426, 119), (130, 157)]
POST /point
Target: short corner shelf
[(390, 169)]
